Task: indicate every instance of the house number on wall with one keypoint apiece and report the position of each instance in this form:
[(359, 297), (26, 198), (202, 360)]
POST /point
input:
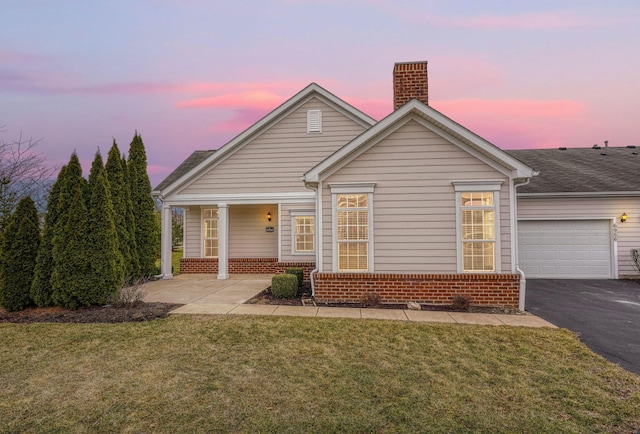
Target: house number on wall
[(269, 228)]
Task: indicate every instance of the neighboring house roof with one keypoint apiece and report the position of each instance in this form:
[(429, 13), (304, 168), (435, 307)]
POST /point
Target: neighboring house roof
[(432, 119), (581, 170), (174, 180), (185, 167)]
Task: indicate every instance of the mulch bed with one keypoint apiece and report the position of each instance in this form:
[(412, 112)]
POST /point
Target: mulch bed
[(139, 311), (266, 297)]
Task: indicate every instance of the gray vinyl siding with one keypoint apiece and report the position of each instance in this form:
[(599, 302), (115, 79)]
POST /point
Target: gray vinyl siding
[(276, 160), (248, 237), (286, 232), (193, 232), (628, 233), (414, 201)]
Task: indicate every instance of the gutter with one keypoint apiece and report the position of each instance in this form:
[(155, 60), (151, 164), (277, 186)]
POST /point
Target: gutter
[(523, 279)]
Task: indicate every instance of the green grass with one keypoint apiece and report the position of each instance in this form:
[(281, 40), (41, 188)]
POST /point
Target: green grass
[(175, 261), (278, 374)]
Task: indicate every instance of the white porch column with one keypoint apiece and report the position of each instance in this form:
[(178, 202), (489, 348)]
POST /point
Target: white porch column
[(223, 241), (165, 251)]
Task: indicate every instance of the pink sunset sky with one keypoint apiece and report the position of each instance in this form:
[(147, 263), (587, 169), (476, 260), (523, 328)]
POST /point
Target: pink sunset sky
[(192, 74)]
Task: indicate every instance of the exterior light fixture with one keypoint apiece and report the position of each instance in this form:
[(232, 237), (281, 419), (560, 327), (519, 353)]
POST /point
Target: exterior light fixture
[(269, 216), (623, 217)]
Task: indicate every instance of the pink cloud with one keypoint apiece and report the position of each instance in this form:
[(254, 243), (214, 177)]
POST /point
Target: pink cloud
[(263, 99), (238, 122), (511, 108), (513, 124), (526, 21)]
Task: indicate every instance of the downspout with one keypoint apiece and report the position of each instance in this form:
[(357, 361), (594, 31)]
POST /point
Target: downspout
[(312, 274), (523, 280)]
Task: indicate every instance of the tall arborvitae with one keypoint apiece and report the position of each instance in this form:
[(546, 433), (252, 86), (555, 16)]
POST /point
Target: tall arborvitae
[(72, 266), (131, 220), (121, 199), (107, 273), (41, 289), (20, 249), (96, 168), (147, 233), (70, 230)]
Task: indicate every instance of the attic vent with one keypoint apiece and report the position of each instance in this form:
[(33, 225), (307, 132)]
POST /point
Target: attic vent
[(314, 121)]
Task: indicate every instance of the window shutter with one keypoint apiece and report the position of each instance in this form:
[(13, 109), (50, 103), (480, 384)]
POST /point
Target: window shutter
[(314, 121)]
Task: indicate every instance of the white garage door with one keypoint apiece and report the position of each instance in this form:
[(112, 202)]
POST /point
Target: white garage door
[(565, 249)]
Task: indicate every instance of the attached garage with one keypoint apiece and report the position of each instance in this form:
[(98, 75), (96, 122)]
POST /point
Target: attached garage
[(566, 249)]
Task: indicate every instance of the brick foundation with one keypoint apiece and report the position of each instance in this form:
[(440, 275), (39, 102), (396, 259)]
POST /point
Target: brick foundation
[(485, 289), (242, 266)]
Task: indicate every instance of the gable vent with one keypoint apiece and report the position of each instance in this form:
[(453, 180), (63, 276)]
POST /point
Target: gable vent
[(314, 121)]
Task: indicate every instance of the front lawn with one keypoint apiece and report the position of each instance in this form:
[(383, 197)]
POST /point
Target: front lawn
[(278, 374)]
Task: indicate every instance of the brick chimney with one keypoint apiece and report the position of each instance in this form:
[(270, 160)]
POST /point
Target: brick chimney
[(410, 81)]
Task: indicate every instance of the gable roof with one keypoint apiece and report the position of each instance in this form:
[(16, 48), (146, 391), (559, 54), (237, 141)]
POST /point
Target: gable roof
[(438, 123), (581, 170), (175, 180), (187, 165)]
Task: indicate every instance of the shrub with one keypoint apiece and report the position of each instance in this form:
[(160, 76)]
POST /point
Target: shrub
[(130, 293), (371, 299), (461, 302), (635, 258), (299, 273), (284, 285)]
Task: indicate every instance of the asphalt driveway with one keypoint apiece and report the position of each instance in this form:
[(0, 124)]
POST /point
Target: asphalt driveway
[(605, 313)]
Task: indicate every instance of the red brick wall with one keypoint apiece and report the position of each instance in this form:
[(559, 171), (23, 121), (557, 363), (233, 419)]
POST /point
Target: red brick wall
[(485, 289), (410, 80), (243, 266)]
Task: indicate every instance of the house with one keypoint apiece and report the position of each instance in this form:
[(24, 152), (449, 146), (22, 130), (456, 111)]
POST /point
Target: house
[(579, 218), (414, 207)]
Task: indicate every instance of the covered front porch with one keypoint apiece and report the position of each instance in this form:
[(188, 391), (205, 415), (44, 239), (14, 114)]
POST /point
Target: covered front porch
[(237, 237)]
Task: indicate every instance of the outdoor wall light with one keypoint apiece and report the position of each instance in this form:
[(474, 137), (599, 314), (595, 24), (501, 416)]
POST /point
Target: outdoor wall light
[(269, 216), (623, 217)]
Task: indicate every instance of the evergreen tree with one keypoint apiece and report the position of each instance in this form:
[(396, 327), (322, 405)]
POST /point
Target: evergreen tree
[(72, 266), (102, 247), (147, 233), (70, 230), (131, 221), (41, 289), (123, 218), (19, 252), (96, 167)]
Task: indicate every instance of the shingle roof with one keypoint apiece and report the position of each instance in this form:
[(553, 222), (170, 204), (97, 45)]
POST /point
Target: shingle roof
[(192, 161), (573, 170)]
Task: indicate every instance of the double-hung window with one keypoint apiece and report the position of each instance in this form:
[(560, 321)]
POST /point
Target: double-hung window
[(210, 233), (478, 228), (303, 228), (353, 237)]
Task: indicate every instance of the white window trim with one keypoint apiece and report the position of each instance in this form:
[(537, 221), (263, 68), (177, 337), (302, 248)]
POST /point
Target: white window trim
[(491, 186), (351, 188), (303, 213), (202, 209)]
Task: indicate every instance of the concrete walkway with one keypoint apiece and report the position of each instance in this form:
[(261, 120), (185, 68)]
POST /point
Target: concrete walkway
[(203, 294)]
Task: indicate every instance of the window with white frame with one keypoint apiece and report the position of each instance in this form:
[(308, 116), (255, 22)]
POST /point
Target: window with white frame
[(303, 228), (352, 223), (210, 233), (477, 217)]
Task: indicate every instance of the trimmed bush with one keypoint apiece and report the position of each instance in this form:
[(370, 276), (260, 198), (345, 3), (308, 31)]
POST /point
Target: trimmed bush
[(298, 272), (284, 285)]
